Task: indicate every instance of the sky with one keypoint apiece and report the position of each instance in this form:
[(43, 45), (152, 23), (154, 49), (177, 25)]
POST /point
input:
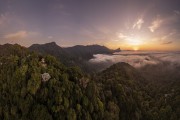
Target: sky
[(128, 24)]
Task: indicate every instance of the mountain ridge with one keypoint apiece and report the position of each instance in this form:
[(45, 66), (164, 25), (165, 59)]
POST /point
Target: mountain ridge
[(82, 51), (78, 55)]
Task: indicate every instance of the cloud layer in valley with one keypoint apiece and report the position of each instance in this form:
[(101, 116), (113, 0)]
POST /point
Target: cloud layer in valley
[(138, 59)]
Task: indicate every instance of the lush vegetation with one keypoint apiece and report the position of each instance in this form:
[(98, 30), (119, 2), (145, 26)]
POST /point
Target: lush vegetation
[(119, 92)]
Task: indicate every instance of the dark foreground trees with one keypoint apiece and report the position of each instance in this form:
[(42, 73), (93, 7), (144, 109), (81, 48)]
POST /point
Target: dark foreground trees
[(116, 93)]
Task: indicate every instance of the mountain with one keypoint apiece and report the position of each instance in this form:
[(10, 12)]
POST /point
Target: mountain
[(77, 52), (87, 52), (117, 50), (50, 48), (125, 70), (78, 55), (126, 91), (35, 86), (120, 85), (9, 49), (38, 86)]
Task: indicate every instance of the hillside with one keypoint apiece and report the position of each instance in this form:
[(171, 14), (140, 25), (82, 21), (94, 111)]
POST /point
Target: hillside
[(35, 86), (127, 88), (66, 94), (8, 49)]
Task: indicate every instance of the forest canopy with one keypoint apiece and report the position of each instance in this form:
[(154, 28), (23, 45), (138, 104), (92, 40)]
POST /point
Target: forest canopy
[(119, 92)]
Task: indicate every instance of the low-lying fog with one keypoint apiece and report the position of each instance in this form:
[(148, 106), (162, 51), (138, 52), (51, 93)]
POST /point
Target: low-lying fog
[(156, 66), (138, 58)]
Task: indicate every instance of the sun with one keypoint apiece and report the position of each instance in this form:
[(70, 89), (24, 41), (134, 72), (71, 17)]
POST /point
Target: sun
[(136, 48), (135, 43)]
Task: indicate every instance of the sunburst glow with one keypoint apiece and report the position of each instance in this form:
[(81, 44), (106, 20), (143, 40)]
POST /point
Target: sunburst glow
[(135, 48), (148, 25), (134, 41)]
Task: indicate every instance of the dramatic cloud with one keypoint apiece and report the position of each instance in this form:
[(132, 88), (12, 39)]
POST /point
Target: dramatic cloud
[(17, 35), (138, 24), (155, 24)]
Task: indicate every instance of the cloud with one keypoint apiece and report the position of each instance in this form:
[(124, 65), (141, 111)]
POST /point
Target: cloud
[(138, 24), (16, 36), (134, 60), (168, 35), (169, 42), (173, 57), (167, 21), (137, 59), (122, 36), (155, 24), (131, 39)]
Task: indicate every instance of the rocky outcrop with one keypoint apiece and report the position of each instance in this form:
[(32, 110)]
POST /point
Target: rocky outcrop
[(45, 77)]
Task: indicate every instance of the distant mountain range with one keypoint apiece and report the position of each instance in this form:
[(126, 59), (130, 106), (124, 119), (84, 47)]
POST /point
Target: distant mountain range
[(77, 52), (78, 55), (87, 52)]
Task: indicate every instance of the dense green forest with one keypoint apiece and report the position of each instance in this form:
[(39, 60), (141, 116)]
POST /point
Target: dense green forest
[(40, 87)]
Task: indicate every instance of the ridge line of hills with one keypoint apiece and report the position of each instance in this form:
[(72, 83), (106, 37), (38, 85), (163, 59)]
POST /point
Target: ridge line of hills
[(119, 92), (78, 55), (80, 51)]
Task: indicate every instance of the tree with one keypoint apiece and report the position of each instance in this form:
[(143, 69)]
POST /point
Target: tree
[(34, 83)]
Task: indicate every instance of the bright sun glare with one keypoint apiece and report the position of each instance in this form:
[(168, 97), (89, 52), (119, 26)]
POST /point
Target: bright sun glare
[(135, 43), (135, 48)]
